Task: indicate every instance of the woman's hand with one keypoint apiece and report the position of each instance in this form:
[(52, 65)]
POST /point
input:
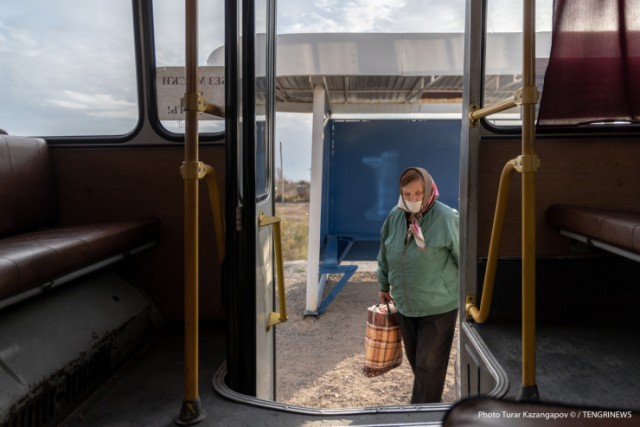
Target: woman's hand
[(384, 297)]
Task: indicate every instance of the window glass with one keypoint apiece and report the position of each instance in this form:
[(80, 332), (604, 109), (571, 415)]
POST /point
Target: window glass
[(169, 28), (67, 68), (264, 112), (503, 66)]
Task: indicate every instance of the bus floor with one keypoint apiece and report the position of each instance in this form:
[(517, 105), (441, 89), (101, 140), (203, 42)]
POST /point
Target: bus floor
[(149, 392), (587, 365)]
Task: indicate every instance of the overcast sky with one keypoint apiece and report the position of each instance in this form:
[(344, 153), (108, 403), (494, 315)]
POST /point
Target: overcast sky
[(24, 40), (318, 16), (401, 16), (293, 131), (386, 16)]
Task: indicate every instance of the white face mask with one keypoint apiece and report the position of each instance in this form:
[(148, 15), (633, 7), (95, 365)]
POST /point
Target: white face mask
[(413, 207)]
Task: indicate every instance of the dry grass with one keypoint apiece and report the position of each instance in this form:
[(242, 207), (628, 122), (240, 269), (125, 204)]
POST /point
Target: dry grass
[(295, 229)]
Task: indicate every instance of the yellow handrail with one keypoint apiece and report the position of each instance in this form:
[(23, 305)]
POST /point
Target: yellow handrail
[(524, 95), (216, 209), (264, 221), (481, 315), (214, 110), (478, 113)]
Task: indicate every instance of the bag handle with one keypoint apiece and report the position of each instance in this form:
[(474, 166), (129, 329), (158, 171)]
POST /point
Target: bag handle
[(387, 304)]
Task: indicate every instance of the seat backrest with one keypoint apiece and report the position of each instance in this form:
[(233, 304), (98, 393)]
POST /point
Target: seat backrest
[(27, 187)]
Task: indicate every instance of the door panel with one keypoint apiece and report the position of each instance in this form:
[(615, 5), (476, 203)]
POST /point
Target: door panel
[(264, 112), (249, 277)]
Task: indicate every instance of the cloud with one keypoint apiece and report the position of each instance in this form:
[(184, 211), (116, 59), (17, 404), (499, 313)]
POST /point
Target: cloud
[(352, 16), (18, 40), (95, 105), (370, 16)]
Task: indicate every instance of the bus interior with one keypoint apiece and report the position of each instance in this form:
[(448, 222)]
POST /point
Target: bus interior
[(141, 270)]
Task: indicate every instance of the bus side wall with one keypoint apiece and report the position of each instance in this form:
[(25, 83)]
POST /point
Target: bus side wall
[(585, 172), (120, 182)]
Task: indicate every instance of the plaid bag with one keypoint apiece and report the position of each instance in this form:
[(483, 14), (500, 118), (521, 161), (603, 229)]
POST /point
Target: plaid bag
[(382, 342)]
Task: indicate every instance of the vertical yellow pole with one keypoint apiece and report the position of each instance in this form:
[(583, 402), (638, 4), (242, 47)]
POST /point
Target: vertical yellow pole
[(191, 411), (529, 389)]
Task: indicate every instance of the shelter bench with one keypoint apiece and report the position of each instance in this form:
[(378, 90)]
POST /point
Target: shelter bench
[(615, 231), (36, 254), (331, 265)]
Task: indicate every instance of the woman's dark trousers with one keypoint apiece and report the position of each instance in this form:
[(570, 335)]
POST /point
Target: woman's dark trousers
[(427, 344)]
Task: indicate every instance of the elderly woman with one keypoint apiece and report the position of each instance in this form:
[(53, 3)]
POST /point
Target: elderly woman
[(418, 269)]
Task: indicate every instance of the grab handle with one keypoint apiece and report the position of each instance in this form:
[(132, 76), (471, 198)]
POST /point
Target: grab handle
[(216, 209), (471, 309), (274, 317)]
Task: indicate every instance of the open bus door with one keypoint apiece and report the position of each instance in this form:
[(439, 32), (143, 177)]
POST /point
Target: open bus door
[(251, 228)]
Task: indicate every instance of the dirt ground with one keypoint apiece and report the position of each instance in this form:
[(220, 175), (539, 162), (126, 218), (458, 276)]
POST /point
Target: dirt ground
[(320, 359)]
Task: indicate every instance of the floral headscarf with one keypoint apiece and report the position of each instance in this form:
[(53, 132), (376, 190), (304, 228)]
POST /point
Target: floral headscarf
[(431, 195)]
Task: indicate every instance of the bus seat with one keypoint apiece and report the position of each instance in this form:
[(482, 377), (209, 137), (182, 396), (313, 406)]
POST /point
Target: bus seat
[(27, 187), (35, 254), (613, 230)]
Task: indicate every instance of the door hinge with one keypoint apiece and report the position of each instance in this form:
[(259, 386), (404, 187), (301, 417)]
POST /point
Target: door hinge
[(238, 218)]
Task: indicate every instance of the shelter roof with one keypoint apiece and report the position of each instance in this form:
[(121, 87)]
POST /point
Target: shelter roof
[(389, 72)]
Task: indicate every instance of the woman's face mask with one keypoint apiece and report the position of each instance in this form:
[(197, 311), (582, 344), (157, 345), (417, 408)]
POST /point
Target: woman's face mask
[(413, 195), (413, 207)]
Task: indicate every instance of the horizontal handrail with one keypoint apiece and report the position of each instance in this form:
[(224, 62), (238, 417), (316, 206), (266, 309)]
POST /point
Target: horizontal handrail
[(526, 95), (193, 101), (479, 113), (214, 110)]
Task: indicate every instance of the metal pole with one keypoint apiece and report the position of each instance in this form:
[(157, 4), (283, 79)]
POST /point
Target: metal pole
[(529, 389), (281, 175), (191, 411)]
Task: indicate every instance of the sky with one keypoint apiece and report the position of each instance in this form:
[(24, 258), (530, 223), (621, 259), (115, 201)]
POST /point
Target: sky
[(293, 130), (368, 16), (107, 93), (371, 16)]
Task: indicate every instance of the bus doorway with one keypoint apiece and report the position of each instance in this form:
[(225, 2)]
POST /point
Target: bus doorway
[(249, 273)]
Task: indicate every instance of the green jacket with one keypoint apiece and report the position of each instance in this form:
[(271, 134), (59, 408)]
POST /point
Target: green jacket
[(422, 283)]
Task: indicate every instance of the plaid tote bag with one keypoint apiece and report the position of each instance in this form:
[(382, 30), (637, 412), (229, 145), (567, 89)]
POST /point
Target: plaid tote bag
[(382, 342)]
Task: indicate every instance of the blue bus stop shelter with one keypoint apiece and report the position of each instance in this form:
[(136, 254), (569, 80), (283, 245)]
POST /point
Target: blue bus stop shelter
[(363, 160)]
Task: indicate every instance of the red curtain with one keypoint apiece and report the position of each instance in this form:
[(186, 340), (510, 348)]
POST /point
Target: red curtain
[(594, 67)]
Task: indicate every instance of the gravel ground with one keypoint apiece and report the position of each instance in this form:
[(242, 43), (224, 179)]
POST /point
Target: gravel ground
[(320, 359)]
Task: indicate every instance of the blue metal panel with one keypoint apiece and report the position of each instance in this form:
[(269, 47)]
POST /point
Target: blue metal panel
[(363, 162)]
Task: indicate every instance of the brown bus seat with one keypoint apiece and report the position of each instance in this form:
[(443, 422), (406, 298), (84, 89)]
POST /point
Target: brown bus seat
[(35, 253), (617, 231)]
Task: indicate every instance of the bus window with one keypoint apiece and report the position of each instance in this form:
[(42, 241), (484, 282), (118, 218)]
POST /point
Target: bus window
[(503, 66), (170, 59), (89, 58)]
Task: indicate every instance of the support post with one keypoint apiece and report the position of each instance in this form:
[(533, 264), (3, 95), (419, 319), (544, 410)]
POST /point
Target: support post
[(529, 388), (315, 200), (191, 411)]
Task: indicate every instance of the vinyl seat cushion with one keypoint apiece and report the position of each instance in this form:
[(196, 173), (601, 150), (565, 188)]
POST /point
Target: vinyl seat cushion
[(32, 259), (617, 228)]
